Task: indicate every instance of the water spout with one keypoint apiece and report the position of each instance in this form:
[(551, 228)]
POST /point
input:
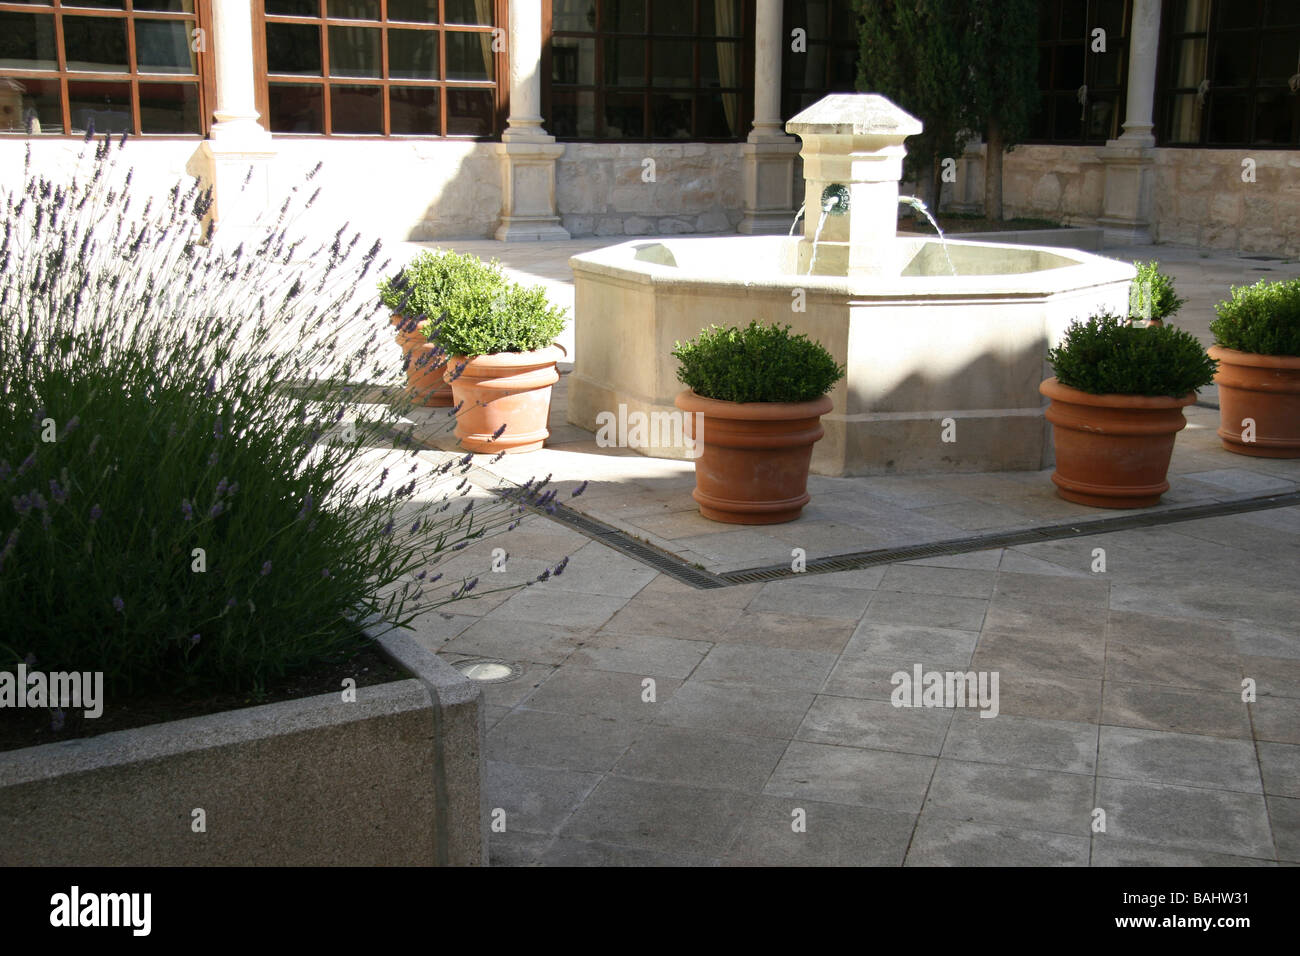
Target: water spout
[(797, 217), (920, 207), (826, 211)]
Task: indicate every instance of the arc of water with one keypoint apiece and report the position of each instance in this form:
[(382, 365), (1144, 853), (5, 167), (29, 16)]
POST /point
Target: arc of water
[(919, 206), (817, 236), (797, 217)]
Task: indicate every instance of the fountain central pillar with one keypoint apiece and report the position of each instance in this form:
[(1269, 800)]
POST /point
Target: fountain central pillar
[(852, 152)]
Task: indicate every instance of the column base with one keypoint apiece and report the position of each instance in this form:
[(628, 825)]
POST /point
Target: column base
[(769, 185), (237, 171), (1128, 202), (528, 212)]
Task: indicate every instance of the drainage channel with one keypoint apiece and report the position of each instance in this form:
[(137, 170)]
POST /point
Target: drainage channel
[(679, 570)]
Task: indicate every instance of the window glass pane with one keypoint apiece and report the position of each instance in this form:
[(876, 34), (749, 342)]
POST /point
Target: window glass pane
[(413, 111), (293, 48), (844, 68), (1074, 20), (357, 109), (718, 116), (1106, 67), (1229, 118), (107, 105), (672, 61), (478, 12), (169, 108), (1048, 13), (27, 41), (413, 54), (1067, 120), (1040, 125), (1190, 67), (293, 8), (296, 109), (1237, 13), (623, 16), (624, 116), (1276, 116), (95, 44), (673, 16), (1191, 16), (573, 61), (353, 9), (1101, 116), (1110, 17), (1184, 119), (354, 51), (670, 116), (98, 4), (163, 46), (1045, 59), (721, 18), (470, 112), (573, 114), (576, 15), (469, 55), (720, 64), (172, 6), (1234, 57), (1069, 66), (30, 102), (1279, 57), (625, 62), (1282, 13), (413, 11)]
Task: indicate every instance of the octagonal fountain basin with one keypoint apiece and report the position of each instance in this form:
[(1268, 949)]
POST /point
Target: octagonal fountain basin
[(942, 370)]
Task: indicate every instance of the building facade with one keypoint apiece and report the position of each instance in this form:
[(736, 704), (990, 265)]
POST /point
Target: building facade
[(528, 119)]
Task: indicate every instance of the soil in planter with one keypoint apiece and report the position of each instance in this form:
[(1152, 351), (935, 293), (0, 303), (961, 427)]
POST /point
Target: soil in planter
[(31, 727)]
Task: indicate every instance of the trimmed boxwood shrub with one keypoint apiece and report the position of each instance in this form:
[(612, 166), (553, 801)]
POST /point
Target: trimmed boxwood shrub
[(1151, 294), (1105, 355), (759, 363), (469, 306), (1263, 318)]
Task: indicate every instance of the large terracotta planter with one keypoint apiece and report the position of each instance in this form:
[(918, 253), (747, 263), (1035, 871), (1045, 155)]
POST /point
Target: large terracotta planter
[(754, 456), (1265, 388), (1113, 451), (424, 381), (511, 389)]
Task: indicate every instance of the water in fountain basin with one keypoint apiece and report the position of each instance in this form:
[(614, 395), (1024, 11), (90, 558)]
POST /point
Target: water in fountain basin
[(826, 211), (919, 206)]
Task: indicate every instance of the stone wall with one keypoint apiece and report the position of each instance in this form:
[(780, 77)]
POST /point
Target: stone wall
[(697, 187), (1200, 197)]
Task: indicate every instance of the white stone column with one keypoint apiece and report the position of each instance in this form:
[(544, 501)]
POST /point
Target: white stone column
[(1128, 203), (527, 152), (237, 142), (769, 154)]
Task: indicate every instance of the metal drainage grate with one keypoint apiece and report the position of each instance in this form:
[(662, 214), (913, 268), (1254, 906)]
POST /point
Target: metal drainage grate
[(488, 670)]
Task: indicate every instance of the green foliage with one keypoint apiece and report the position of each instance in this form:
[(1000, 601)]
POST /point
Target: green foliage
[(1106, 355), (1263, 318), (759, 363), (1001, 47), (194, 497), (1151, 294), (470, 306)]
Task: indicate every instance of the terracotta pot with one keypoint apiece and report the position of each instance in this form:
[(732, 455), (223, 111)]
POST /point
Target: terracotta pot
[(424, 381), (1265, 388), (1113, 451), (754, 456), (511, 389)]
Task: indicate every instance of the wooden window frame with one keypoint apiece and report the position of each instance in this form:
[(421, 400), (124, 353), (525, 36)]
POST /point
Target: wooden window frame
[(1170, 39), (1120, 90), (204, 78), (499, 85), (599, 89)]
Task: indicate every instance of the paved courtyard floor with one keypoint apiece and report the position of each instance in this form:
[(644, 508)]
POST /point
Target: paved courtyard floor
[(659, 723)]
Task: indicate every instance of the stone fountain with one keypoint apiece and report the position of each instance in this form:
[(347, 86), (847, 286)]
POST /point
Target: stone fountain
[(943, 368)]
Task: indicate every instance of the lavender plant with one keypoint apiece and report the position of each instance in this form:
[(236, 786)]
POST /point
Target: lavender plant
[(200, 485)]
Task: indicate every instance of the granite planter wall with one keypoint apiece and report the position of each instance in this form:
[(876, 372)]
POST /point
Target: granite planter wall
[(393, 779)]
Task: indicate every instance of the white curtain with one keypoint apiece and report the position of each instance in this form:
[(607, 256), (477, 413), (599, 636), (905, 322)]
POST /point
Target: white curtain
[(483, 13), (724, 13)]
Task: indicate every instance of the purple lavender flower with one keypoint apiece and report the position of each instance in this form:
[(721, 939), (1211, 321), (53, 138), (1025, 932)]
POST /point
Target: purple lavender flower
[(420, 576), (559, 568), (306, 506), (415, 527), (214, 510), (580, 489), (211, 386), (96, 512), (195, 638), (72, 424), (119, 605), (231, 602), (324, 572), (497, 434), (266, 568), (27, 463), (187, 509), (388, 528), (212, 460), (216, 427), (59, 494), (222, 485)]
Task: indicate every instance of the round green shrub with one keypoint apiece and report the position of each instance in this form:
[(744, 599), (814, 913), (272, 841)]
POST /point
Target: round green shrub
[(1151, 294), (421, 287), (1263, 318), (759, 363), (1105, 355)]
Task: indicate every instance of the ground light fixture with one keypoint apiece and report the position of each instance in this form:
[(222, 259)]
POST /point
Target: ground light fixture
[(488, 670)]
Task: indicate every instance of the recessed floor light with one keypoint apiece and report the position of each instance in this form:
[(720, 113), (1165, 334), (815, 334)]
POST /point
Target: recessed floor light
[(488, 670)]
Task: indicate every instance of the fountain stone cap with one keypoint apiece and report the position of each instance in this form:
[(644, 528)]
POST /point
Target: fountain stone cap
[(854, 141)]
